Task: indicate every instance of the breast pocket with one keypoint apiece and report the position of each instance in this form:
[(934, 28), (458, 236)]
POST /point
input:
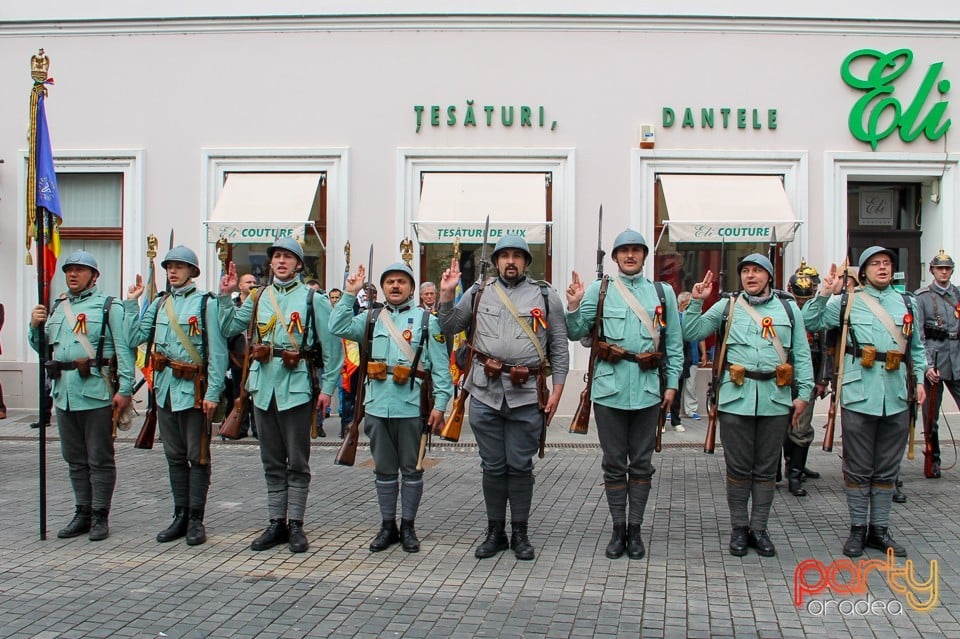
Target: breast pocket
[(488, 322), (53, 327), (615, 323)]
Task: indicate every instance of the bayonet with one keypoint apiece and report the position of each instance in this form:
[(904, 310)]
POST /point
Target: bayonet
[(367, 285), (484, 263), (772, 254), (600, 251)]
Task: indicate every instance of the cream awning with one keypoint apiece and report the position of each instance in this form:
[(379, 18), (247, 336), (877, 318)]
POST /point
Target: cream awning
[(455, 205), (257, 208), (728, 208)]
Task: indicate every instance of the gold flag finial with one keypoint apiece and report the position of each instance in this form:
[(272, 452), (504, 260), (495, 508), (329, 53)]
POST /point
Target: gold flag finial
[(152, 244), (39, 67), (406, 251), (456, 248)]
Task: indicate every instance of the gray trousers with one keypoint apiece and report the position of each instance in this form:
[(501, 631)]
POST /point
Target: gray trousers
[(803, 434), (873, 447), (627, 439), (181, 432), (751, 450), (285, 454), (86, 442), (953, 386), (507, 438), (394, 446)]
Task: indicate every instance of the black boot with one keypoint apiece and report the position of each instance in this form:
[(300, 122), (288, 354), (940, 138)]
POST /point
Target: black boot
[(387, 536), (809, 473), (275, 534), (495, 541), (99, 530), (78, 525), (856, 541), (519, 541), (795, 472), (196, 533), (761, 541), (618, 542), (298, 539), (898, 496), (177, 528), (738, 541), (408, 536), (879, 537), (635, 549)]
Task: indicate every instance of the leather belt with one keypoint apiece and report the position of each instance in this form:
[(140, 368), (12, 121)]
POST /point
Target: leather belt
[(757, 375), (856, 351), (419, 374), (72, 364), (534, 370)]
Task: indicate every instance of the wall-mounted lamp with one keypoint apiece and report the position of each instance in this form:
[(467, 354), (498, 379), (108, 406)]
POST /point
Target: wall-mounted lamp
[(935, 191)]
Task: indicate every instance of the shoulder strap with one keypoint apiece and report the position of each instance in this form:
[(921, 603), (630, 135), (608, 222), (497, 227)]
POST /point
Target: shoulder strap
[(311, 326), (104, 327), (601, 298), (424, 326), (204, 339)]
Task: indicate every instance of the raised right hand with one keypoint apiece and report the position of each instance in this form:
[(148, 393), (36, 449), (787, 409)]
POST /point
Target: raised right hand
[(134, 291), (355, 280), (574, 292), (702, 290), (449, 281), (228, 283), (832, 282)]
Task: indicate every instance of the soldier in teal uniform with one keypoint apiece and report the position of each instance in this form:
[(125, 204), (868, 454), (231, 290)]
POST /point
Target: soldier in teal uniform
[(84, 331), (640, 342), (291, 327), (407, 347), (189, 360), (767, 374), (882, 346)]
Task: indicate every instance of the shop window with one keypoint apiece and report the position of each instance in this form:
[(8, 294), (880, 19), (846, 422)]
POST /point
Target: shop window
[(887, 214), (92, 205)]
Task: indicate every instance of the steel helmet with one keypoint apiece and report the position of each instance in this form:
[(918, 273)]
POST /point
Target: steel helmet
[(398, 267), (184, 255), (512, 241), (81, 258), (757, 259), (870, 252), (942, 259), (287, 244), (804, 281), (628, 238)]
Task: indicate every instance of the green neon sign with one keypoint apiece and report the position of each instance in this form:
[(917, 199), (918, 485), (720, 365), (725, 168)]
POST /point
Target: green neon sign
[(879, 113)]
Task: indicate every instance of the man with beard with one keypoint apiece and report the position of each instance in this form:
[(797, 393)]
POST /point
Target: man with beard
[(406, 347), (938, 310), (289, 326), (516, 322), (640, 353), (84, 331), (189, 359), (874, 393), (766, 355)]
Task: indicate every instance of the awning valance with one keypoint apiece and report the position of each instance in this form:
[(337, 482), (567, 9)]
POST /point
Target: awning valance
[(257, 208), (727, 208), (455, 205)]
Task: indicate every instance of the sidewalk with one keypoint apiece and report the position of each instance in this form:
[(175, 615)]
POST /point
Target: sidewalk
[(687, 586)]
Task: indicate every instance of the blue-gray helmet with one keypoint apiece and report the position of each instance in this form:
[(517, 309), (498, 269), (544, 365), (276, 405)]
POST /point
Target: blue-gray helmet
[(630, 238), (81, 258), (182, 254), (398, 267), (870, 252), (287, 244), (512, 241), (757, 259)]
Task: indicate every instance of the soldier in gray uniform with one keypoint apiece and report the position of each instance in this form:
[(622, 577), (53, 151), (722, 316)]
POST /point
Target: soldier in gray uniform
[(938, 310), (81, 347), (519, 336)]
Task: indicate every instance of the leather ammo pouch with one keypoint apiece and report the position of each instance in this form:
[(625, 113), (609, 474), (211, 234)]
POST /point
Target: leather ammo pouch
[(377, 370), (180, 370), (784, 374), (53, 369), (492, 368), (868, 355), (261, 352), (649, 361), (290, 358), (610, 352), (519, 375), (83, 367), (158, 361), (401, 374), (737, 373), (893, 360)]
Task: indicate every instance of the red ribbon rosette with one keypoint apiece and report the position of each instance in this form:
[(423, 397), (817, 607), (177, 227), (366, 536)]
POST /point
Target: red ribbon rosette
[(407, 335), (658, 321), (194, 323), (81, 325), (295, 324), (538, 319), (956, 310), (768, 330), (908, 324)]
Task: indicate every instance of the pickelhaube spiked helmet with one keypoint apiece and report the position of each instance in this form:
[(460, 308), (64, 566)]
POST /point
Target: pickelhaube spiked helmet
[(942, 259), (804, 281)]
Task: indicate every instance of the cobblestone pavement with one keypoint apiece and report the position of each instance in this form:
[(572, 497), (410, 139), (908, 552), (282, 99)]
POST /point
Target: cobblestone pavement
[(688, 586)]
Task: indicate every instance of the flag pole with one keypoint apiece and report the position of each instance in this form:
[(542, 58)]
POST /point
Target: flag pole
[(39, 65)]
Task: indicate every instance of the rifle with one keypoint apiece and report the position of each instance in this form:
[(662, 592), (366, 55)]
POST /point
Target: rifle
[(426, 406), (148, 432), (839, 362), (929, 419), (912, 400), (713, 390), (454, 424), (662, 415), (581, 418), (231, 426), (347, 454)]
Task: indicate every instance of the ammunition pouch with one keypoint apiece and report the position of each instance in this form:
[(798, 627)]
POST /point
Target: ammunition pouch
[(519, 375), (377, 370), (784, 374), (737, 373), (868, 356), (612, 354), (83, 367), (401, 374), (182, 370), (158, 361), (649, 361), (933, 330), (290, 359), (261, 352), (893, 360), (492, 367)]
